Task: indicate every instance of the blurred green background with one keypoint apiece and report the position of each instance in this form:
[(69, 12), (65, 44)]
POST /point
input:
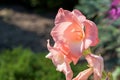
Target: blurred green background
[(25, 26)]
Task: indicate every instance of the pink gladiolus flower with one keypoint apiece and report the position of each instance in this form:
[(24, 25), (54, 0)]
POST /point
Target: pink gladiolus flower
[(96, 62), (74, 32)]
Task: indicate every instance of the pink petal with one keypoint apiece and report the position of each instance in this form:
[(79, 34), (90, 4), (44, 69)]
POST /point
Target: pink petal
[(66, 69), (84, 74), (79, 16), (58, 31), (72, 51), (68, 22), (60, 61), (91, 34), (76, 51), (97, 63), (63, 16)]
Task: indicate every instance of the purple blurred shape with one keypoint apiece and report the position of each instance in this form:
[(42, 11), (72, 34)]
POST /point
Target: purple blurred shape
[(114, 11)]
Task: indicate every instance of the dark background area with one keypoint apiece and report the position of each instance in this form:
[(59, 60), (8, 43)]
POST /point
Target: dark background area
[(43, 5), (28, 23)]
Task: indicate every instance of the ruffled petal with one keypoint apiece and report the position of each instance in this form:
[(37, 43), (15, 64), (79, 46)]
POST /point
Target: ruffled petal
[(63, 16), (96, 62), (91, 34), (84, 75), (79, 16), (60, 61), (58, 31), (68, 25), (72, 51), (76, 51), (66, 69)]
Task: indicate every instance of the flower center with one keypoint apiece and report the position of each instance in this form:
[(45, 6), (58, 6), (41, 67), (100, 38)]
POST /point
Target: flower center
[(74, 33)]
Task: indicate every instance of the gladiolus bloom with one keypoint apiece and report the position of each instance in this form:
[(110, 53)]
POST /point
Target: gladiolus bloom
[(74, 32)]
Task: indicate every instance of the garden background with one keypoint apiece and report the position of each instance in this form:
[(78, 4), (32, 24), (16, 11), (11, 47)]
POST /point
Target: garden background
[(25, 26)]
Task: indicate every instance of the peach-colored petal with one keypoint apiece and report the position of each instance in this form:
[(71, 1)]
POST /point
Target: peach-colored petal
[(66, 69), (84, 75), (68, 26), (60, 61), (74, 33), (65, 15), (97, 63), (58, 31), (91, 34), (72, 51), (76, 51), (79, 16)]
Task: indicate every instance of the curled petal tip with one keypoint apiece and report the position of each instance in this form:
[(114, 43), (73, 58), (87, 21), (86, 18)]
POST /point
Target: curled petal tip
[(48, 56), (61, 9)]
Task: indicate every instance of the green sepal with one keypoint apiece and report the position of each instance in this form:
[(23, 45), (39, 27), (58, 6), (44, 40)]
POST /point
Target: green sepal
[(86, 52)]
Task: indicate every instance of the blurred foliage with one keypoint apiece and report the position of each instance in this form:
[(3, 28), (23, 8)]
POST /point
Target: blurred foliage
[(93, 9), (116, 74), (50, 5), (109, 34), (107, 76), (42, 5), (109, 38), (23, 64)]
